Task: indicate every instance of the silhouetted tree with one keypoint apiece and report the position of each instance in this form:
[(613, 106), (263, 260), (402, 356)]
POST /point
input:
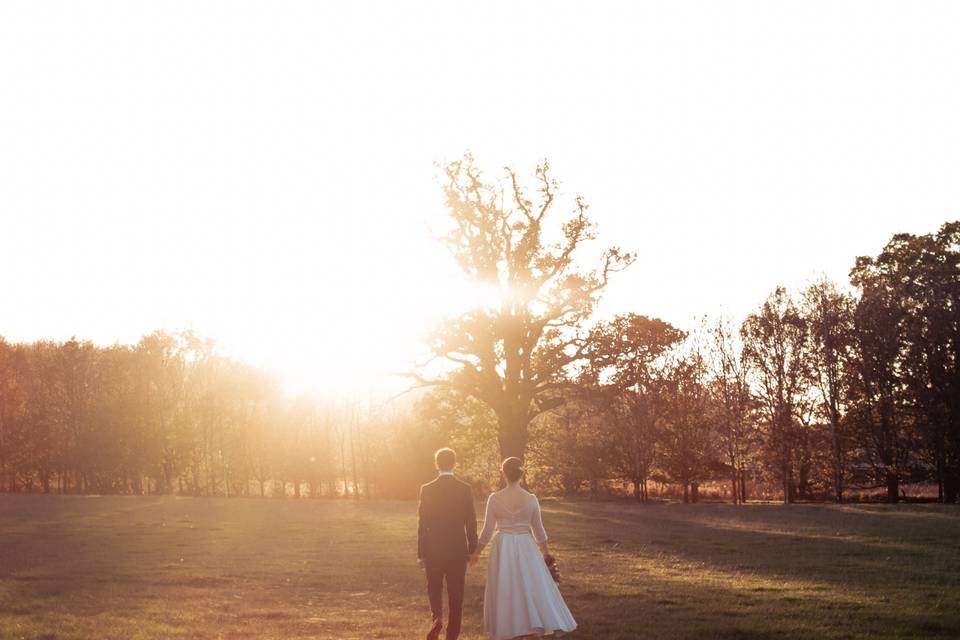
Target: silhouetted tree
[(924, 273), (733, 402), (877, 403), (906, 373), (829, 316)]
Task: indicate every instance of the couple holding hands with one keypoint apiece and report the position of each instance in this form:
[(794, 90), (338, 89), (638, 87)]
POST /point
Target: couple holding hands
[(521, 598)]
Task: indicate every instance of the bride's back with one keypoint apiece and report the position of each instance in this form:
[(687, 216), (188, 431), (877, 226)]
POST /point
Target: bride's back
[(513, 507), (513, 498)]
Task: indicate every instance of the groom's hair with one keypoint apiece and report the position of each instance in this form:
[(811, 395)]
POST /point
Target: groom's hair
[(445, 459)]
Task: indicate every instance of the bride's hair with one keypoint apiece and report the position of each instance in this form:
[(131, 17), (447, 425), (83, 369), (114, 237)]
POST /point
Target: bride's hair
[(512, 469)]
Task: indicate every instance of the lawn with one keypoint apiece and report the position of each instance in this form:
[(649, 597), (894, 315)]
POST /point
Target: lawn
[(170, 567)]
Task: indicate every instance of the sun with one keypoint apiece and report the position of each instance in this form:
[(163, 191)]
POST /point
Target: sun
[(355, 329)]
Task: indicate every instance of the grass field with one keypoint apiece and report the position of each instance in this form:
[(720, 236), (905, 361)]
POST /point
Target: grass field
[(168, 567)]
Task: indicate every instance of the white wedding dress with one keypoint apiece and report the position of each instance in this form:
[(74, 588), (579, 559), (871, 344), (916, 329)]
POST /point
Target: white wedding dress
[(521, 597)]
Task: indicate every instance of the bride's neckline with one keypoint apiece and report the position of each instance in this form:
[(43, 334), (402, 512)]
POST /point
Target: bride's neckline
[(526, 501)]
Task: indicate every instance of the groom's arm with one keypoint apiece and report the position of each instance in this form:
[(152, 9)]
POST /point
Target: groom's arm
[(471, 523), (421, 527)]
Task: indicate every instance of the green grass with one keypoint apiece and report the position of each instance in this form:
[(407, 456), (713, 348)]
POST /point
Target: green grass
[(167, 567)]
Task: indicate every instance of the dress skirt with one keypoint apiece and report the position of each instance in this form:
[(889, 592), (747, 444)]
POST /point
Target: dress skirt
[(521, 597)]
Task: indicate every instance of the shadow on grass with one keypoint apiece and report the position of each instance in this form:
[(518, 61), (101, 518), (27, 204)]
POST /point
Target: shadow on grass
[(706, 571), (324, 569), (818, 543)]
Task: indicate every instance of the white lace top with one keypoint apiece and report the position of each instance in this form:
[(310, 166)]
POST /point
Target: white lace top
[(499, 517)]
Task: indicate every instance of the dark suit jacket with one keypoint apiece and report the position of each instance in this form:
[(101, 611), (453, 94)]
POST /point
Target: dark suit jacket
[(447, 524)]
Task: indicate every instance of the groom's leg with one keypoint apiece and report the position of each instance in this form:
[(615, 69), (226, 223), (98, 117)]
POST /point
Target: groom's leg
[(435, 573), (456, 574)]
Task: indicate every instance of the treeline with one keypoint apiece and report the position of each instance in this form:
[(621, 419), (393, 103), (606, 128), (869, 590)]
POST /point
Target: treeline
[(816, 393), (167, 415)]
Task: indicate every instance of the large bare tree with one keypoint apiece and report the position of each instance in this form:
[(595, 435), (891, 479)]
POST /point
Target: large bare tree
[(514, 355)]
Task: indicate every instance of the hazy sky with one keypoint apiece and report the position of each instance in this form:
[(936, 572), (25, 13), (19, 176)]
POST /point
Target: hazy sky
[(263, 173)]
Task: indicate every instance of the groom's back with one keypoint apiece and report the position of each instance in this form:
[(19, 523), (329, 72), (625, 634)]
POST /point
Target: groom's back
[(448, 524)]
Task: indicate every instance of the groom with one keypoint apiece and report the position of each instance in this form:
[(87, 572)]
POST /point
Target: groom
[(446, 537)]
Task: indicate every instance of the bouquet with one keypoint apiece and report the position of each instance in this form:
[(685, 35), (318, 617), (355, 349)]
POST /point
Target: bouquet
[(553, 567)]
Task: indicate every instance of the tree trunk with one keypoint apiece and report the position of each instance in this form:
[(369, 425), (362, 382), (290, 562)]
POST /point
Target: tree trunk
[(803, 483), (940, 479), (512, 437), (893, 487), (743, 486), (787, 482), (837, 461), (951, 485)]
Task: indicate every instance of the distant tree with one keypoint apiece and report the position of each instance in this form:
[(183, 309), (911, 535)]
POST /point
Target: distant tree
[(113, 420), (574, 446), (878, 407), (907, 369), (776, 347), (560, 462), (12, 407), (514, 354), (733, 402), (163, 390), (73, 381), (7, 386), (626, 363), (41, 427), (829, 316), (685, 425), (924, 273)]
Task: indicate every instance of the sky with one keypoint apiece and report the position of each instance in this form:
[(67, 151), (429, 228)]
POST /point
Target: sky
[(265, 173)]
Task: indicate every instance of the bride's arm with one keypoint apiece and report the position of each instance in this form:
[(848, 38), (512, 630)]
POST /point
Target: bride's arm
[(536, 524), (489, 526)]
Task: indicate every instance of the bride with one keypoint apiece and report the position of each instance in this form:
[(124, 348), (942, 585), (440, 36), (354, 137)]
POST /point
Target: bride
[(521, 598)]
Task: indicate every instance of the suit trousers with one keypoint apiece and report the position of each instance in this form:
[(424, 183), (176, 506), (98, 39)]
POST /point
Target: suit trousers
[(454, 572)]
